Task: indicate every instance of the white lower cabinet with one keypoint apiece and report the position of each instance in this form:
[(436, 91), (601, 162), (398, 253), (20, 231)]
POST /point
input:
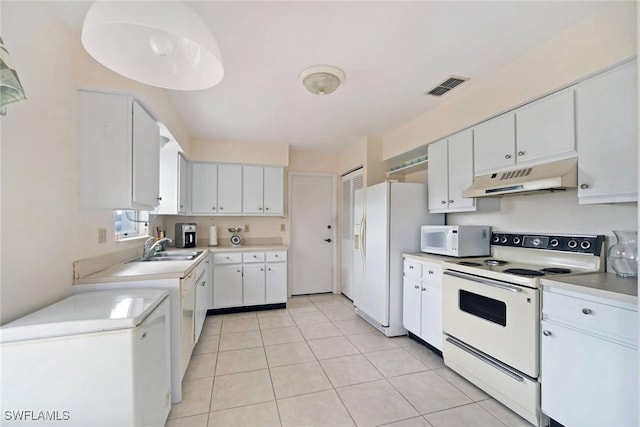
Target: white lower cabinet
[(227, 285), (589, 362), (187, 313), (422, 301), (249, 278), (202, 284)]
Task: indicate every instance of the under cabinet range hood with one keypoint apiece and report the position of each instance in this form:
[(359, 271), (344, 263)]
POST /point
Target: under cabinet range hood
[(549, 177)]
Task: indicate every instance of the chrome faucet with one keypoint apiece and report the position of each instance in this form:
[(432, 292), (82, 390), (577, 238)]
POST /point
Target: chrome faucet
[(150, 247)]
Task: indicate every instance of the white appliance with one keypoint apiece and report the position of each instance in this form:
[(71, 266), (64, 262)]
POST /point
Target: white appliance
[(97, 358), (456, 240), (491, 312), (357, 271), (352, 182), (394, 213)]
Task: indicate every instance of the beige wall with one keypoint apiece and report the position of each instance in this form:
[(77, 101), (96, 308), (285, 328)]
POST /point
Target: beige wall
[(259, 227), (594, 44), (239, 152), (43, 230), (313, 161)]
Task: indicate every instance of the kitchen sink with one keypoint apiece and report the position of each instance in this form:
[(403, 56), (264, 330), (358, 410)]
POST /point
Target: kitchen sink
[(170, 256)]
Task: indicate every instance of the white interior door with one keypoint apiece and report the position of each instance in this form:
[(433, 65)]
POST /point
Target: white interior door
[(312, 209)]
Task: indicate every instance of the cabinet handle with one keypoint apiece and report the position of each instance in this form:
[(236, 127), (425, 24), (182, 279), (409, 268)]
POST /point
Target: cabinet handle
[(221, 208), (237, 271), (160, 198), (259, 209), (507, 156), (450, 201), (143, 336), (546, 333), (584, 186), (430, 271), (228, 258), (182, 206), (213, 208), (268, 269), (266, 209), (255, 256), (416, 286), (443, 202), (520, 153), (586, 311), (411, 267), (424, 289), (262, 269), (275, 256), (203, 283)]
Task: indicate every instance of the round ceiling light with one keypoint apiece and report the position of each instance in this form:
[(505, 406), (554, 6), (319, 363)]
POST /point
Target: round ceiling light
[(321, 79), (160, 43)]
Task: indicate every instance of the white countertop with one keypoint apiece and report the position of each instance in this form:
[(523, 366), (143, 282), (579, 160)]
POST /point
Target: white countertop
[(133, 271), (441, 259), (604, 285)]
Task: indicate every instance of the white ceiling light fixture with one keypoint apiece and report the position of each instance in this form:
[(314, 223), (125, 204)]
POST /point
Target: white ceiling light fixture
[(160, 43), (322, 79)]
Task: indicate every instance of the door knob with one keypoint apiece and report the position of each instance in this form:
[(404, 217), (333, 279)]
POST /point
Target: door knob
[(327, 240)]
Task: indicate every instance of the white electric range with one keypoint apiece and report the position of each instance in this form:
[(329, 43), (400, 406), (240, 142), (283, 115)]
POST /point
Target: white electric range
[(491, 316)]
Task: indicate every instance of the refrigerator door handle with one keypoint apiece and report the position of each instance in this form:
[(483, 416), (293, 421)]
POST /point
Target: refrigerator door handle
[(363, 238)]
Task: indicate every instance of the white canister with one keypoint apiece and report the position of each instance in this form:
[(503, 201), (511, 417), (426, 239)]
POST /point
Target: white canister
[(213, 235)]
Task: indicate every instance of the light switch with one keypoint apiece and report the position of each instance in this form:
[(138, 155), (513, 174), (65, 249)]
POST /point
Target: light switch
[(102, 235)]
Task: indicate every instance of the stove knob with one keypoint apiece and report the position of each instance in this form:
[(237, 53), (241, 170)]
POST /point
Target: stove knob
[(585, 244), (496, 239), (554, 243), (503, 239), (572, 244), (516, 240)]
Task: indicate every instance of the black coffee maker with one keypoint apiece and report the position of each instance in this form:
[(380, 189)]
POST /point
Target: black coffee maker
[(185, 236)]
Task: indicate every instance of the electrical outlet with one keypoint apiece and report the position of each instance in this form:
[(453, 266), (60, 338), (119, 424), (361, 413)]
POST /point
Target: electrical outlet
[(102, 235), (281, 227), (246, 228)]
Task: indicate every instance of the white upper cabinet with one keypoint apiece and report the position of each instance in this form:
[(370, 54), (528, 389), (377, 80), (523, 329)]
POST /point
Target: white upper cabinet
[(262, 190), (450, 172), (607, 137), (460, 170), (252, 189), (118, 152), (438, 175), (545, 129), (273, 190), (540, 132), (229, 189), (204, 188), (173, 183), (494, 144)]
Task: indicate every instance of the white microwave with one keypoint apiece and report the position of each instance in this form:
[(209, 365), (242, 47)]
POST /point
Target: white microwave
[(456, 240)]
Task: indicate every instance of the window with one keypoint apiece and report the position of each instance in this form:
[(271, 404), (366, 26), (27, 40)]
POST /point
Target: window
[(128, 224)]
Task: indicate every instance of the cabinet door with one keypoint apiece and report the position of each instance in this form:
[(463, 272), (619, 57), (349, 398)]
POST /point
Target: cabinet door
[(587, 380), (253, 284), (411, 305), (276, 283), (204, 188), (187, 312), (227, 286), (202, 303), (252, 190), (437, 176), (545, 129), (494, 144), (274, 190), (183, 170), (229, 189), (607, 137), (146, 159), (168, 182), (431, 319), (460, 170)]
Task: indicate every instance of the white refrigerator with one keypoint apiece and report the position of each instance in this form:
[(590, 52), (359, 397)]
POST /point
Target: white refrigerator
[(394, 213)]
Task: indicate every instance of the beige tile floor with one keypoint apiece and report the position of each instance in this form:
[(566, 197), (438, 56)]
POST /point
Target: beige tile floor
[(318, 364)]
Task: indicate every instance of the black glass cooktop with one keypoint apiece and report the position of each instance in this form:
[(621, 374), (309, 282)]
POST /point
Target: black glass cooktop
[(524, 272)]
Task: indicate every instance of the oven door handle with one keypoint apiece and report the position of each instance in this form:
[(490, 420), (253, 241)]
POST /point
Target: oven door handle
[(489, 282), (486, 360)]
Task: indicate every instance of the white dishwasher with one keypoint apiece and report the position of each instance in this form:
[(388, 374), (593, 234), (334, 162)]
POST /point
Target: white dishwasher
[(92, 359)]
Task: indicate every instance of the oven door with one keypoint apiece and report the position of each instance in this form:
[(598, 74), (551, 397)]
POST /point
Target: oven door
[(497, 318)]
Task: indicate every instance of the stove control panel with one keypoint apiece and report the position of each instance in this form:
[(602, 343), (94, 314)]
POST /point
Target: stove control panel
[(583, 244)]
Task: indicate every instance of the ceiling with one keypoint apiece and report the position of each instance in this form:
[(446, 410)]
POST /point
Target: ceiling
[(392, 53)]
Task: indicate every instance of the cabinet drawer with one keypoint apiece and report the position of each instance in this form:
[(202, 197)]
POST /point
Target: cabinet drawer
[(412, 269), (603, 319), (253, 257), (227, 258), (276, 256)]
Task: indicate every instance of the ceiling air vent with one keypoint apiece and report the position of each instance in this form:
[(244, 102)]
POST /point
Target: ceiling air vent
[(446, 86)]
